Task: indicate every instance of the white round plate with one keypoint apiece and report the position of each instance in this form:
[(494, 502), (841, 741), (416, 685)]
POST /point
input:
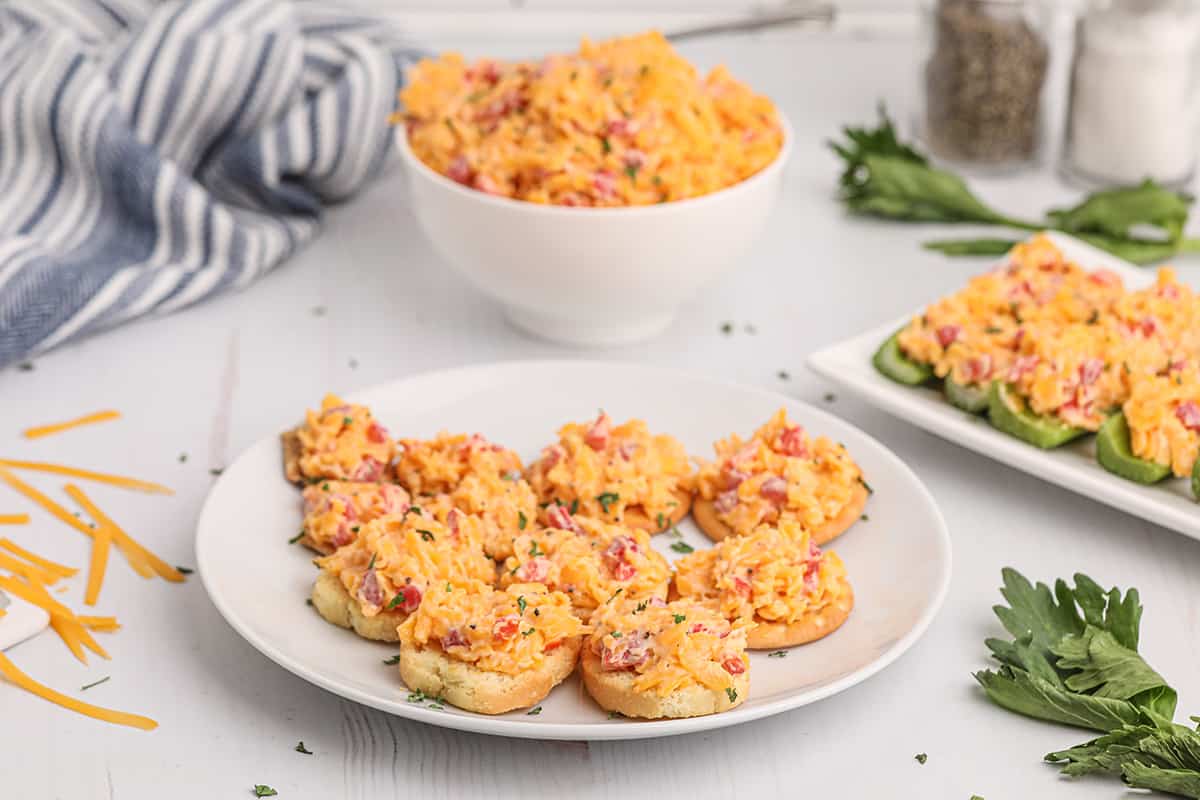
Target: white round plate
[(898, 560)]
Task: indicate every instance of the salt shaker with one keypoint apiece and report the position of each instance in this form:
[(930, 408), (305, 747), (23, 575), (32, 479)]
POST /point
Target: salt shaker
[(982, 79), (1135, 99)]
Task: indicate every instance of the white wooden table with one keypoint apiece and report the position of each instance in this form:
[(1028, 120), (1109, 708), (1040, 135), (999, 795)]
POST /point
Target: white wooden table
[(369, 302)]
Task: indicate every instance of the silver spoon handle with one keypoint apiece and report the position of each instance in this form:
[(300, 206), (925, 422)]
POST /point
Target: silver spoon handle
[(817, 13)]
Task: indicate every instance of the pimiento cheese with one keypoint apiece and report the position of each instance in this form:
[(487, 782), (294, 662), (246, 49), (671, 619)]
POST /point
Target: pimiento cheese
[(779, 474), (343, 441), (507, 631), (335, 511)]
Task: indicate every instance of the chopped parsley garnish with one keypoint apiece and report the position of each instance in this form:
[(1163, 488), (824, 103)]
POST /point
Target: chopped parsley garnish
[(449, 587), (864, 518), (511, 475), (616, 634), (393, 661), (641, 607), (97, 683), (533, 712), (615, 715), (830, 397), (308, 601), (784, 375), (426, 536), (296, 538), (354, 529), (371, 566), (921, 758), (605, 145), (606, 499), (300, 748), (521, 604), (777, 654), (679, 618), (866, 485), (534, 550), (521, 520), (416, 697), (993, 329), (215, 471), (184, 570), (675, 533), (614, 596), (682, 547), (526, 633), (726, 328), (325, 487), (631, 171), (731, 693), (397, 600), (450, 124), (413, 510), (347, 420), (662, 521), (574, 507), (25, 366), (262, 790), (182, 457)]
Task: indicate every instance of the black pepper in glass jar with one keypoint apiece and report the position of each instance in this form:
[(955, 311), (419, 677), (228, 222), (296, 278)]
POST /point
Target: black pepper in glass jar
[(983, 82)]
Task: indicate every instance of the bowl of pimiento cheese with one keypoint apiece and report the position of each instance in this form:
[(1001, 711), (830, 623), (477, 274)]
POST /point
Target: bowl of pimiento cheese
[(590, 193)]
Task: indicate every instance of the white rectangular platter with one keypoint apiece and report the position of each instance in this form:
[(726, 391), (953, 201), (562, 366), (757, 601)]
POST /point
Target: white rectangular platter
[(1074, 467)]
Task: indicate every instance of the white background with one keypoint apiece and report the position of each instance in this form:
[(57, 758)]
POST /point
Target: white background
[(209, 381)]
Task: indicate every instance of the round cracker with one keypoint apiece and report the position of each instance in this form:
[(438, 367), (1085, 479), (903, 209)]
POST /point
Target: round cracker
[(705, 514), (473, 689), (613, 691), (774, 635), (638, 519), (290, 440), (334, 604)]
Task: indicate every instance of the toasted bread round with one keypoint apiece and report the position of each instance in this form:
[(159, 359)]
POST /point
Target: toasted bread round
[(635, 517), (613, 691), (774, 635), (473, 689), (706, 517), (334, 603), (291, 456)]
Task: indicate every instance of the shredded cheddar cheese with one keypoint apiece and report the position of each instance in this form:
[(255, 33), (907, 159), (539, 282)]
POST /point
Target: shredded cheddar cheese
[(98, 565), (20, 679), (622, 122), (88, 475), (59, 427), (54, 567), (590, 567), (343, 442), (335, 511), (772, 575), (508, 631), (610, 473), (780, 474), (14, 519), (123, 540), (669, 646)]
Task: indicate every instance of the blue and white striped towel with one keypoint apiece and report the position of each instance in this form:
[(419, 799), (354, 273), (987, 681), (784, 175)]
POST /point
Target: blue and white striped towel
[(152, 155)]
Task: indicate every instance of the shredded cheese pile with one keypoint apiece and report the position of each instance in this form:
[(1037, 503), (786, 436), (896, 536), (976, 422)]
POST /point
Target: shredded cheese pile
[(669, 646), (773, 575), (508, 631), (622, 122), (606, 472), (780, 474)]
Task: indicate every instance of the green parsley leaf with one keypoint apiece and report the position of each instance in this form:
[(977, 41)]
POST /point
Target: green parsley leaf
[(262, 790), (616, 634), (679, 618), (641, 607), (866, 485), (607, 499), (521, 604), (615, 715), (777, 654), (865, 518), (449, 587), (397, 600), (614, 596), (296, 538), (416, 697), (528, 632), (413, 510), (184, 570), (182, 458), (426, 536), (921, 758), (727, 328), (521, 520), (731, 693), (605, 145), (662, 521), (347, 420), (533, 712), (632, 171), (300, 748), (682, 547), (574, 507), (534, 550), (371, 565), (393, 661), (97, 683)]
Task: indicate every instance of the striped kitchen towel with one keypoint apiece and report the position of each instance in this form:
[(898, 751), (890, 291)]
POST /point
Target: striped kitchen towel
[(155, 154)]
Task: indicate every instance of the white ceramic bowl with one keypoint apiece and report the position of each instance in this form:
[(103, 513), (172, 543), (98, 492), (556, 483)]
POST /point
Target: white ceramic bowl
[(591, 276)]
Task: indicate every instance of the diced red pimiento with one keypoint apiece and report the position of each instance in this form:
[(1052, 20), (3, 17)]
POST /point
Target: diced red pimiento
[(411, 598), (746, 453), (1105, 277), (792, 442), (453, 639), (628, 652), (505, 628), (619, 126), (574, 199), (551, 455), (1075, 413), (1176, 364), (726, 501), (698, 627), (633, 159), (369, 471), (741, 587), (598, 434), (978, 369), (395, 499), (1022, 366), (371, 592), (376, 433), (487, 185), (557, 643), (1169, 291), (1018, 337), (453, 517), (1090, 371), (626, 450), (734, 477), (605, 183), (734, 665), (560, 517), (1148, 326), (616, 557), (459, 170), (534, 571), (344, 534), (947, 334), (1189, 414), (774, 489)]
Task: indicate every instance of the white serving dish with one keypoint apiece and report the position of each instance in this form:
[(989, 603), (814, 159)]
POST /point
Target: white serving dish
[(1074, 466), (590, 276), (898, 561)]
